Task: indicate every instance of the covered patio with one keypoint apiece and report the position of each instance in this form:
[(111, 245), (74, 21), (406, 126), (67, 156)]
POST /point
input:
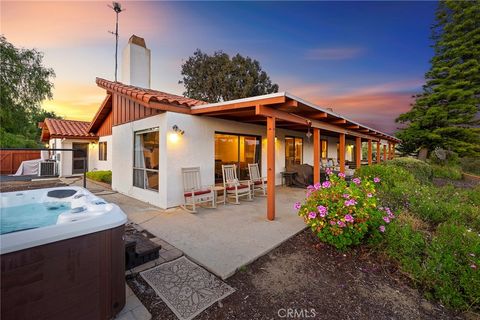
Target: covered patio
[(283, 110)]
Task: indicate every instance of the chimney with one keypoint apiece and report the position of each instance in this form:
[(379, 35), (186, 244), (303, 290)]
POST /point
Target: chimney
[(136, 63)]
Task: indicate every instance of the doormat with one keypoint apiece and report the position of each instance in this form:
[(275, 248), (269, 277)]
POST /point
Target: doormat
[(185, 287)]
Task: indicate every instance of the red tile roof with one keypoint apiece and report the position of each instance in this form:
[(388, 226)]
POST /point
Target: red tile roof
[(147, 95), (56, 128)]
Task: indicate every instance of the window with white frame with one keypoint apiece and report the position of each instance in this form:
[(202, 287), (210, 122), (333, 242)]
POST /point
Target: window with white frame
[(146, 159)]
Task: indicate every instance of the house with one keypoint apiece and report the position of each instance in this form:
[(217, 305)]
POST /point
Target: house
[(146, 136)]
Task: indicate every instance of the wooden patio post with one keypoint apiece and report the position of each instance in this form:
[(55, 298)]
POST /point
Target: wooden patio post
[(358, 152), (271, 168), (316, 155), (389, 151), (369, 152), (393, 150), (342, 152), (384, 153), (378, 151)]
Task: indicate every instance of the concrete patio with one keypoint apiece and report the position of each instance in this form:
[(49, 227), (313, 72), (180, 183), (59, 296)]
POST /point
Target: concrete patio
[(224, 239)]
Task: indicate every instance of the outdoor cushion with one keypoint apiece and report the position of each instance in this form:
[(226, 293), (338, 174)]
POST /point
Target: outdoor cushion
[(197, 193), (240, 186)]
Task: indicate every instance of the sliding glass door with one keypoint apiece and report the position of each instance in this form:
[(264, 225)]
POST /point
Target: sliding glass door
[(146, 160), (236, 149)]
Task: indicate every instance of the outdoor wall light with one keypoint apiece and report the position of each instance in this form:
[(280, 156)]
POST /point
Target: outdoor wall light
[(47, 145), (177, 130)]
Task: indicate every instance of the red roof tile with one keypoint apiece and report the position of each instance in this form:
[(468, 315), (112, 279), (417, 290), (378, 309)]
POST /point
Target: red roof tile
[(147, 95), (68, 129)]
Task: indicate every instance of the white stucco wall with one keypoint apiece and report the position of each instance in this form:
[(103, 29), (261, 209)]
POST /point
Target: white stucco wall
[(122, 160), (65, 157), (96, 164)]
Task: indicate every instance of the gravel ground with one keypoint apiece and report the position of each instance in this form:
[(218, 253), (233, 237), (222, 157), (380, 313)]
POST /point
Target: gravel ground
[(305, 277)]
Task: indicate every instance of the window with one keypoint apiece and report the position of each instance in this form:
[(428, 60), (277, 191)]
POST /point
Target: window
[(293, 151), (236, 149), (324, 149), (102, 151), (146, 159)]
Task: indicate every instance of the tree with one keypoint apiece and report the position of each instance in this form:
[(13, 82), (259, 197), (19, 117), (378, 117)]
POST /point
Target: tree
[(445, 114), (217, 77), (24, 84)]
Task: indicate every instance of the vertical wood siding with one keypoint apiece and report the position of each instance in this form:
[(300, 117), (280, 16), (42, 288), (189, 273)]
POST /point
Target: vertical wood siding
[(125, 110), (106, 127)]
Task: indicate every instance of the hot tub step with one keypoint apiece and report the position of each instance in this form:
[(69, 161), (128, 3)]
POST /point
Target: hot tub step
[(139, 250)]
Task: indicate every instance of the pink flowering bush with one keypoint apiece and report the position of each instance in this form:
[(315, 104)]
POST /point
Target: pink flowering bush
[(343, 214)]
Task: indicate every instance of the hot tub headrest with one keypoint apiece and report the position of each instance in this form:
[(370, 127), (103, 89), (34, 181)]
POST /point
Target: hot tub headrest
[(60, 194)]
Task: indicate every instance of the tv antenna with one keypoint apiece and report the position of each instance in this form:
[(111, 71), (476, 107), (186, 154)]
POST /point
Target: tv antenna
[(117, 8)]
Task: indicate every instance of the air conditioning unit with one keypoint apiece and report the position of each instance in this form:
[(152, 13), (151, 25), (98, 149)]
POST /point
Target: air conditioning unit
[(47, 168)]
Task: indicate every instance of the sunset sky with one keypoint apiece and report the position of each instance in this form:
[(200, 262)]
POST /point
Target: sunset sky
[(363, 59)]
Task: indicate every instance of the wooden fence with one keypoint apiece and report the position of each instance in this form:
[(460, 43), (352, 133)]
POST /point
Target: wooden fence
[(10, 160)]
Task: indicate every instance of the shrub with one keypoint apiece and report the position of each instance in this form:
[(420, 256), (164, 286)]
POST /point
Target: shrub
[(405, 245), (102, 176), (447, 172), (397, 183), (452, 266), (420, 170), (343, 214), (471, 165)]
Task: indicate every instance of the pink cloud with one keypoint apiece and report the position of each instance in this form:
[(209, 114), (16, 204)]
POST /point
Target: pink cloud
[(376, 106), (333, 53)]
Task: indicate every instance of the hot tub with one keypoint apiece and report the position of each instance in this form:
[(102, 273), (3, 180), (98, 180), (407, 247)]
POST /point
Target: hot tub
[(62, 255)]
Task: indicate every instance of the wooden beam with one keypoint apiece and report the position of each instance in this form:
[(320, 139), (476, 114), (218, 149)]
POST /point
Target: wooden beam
[(281, 115), (169, 107), (342, 152), (316, 155), (318, 115), (364, 130), (358, 152), (353, 127), (288, 104), (339, 121), (369, 152), (239, 105), (384, 153), (378, 151), (393, 150), (270, 168)]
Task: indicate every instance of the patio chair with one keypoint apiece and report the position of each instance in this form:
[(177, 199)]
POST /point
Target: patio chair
[(193, 190), (256, 180), (235, 188)]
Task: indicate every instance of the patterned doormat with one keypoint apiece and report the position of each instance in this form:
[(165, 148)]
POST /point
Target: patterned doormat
[(185, 287)]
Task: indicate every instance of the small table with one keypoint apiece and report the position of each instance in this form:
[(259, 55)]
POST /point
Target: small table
[(215, 195), (288, 176)]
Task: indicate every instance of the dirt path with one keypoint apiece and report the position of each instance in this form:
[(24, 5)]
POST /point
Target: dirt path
[(304, 278)]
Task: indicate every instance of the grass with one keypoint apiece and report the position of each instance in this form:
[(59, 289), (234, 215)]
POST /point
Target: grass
[(102, 176), (436, 238)]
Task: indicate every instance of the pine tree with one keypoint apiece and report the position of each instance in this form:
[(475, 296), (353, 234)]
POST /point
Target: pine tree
[(446, 113)]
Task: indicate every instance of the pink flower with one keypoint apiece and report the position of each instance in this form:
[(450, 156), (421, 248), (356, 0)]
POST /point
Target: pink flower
[(473, 266), (349, 218), (382, 228), (376, 179), (326, 184), (341, 224), (369, 195), (386, 219), (322, 210), (328, 171), (297, 205), (312, 215), (346, 196), (332, 222), (356, 181), (317, 186), (341, 175), (350, 202)]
